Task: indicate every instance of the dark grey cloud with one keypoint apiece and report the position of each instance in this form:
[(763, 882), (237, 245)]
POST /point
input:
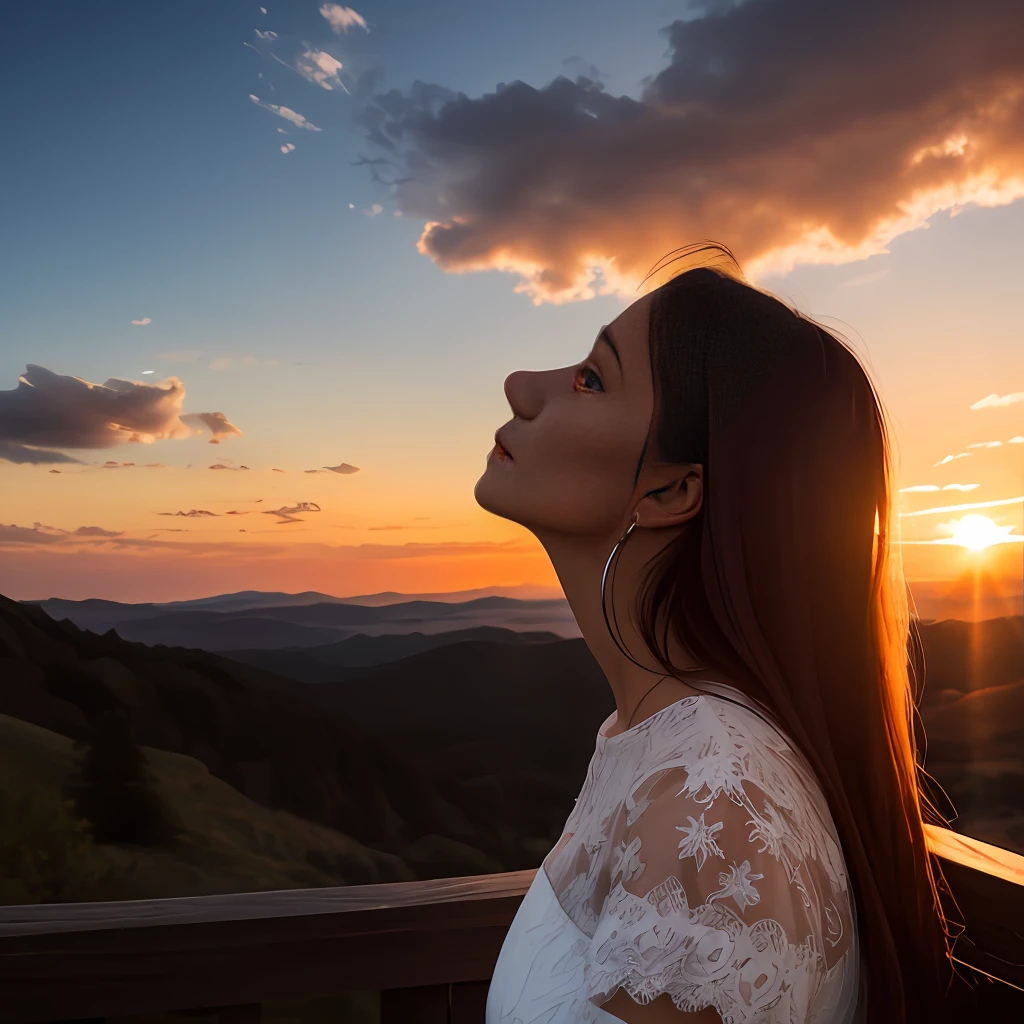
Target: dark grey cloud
[(791, 130), (32, 456), (288, 513), (40, 533), (47, 410), (580, 66), (25, 535)]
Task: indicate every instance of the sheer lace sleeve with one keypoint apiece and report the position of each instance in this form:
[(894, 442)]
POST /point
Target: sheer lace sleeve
[(720, 897)]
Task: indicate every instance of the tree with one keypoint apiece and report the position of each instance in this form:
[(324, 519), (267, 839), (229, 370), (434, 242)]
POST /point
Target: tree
[(116, 790)]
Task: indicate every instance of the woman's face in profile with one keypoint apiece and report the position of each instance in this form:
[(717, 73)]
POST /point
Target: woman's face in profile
[(575, 437)]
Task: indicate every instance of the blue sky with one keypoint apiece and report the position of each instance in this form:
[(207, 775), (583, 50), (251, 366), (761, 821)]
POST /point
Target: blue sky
[(141, 181)]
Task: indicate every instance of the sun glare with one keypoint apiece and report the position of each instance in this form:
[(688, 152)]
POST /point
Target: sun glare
[(978, 532)]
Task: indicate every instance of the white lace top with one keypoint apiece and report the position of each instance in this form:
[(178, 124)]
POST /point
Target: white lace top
[(700, 860)]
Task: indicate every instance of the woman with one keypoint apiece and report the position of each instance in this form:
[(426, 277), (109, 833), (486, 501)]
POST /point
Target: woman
[(748, 844)]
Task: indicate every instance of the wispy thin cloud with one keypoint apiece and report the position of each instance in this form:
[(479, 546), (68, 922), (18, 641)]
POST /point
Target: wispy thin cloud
[(289, 513), (341, 19), (343, 468), (286, 112), (998, 401), (321, 68), (268, 35), (143, 322), (216, 422), (962, 508), (921, 488), (950, 458)]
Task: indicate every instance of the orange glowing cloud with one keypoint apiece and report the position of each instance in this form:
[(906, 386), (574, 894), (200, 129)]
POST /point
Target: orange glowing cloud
[(793, 132)]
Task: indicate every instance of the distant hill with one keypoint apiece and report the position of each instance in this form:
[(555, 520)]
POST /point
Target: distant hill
[(340, 660), (246, 599), (968, 656), (265, 626)]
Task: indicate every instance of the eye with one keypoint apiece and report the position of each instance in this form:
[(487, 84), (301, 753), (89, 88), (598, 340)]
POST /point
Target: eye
[(583, 372)]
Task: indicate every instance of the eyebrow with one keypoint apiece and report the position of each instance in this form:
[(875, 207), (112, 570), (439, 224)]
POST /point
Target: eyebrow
[(607, 339)]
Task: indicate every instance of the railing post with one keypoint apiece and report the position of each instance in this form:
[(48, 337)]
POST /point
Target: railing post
[(469, 1002)]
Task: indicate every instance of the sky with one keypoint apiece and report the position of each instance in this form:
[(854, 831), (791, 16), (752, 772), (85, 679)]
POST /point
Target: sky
[(273, 265)]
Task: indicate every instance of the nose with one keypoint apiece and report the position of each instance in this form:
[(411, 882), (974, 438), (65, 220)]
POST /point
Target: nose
[(514, 388), (525, 391)]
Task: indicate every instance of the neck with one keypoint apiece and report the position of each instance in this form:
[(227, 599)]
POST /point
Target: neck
[(579, 564)]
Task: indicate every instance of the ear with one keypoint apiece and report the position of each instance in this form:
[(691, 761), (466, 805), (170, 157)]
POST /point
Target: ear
[(674, 502)]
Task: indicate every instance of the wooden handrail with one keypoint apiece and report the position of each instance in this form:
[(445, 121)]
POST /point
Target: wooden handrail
[(988, 885), (145, 956), (429, 946)]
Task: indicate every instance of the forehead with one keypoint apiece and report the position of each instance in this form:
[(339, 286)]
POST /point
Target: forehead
[(629, 332)]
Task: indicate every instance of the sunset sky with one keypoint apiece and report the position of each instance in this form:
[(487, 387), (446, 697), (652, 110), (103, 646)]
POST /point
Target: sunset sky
[(330, 233)]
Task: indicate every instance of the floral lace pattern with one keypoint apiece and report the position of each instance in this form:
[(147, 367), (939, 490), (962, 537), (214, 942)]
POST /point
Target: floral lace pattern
[(701, 860)]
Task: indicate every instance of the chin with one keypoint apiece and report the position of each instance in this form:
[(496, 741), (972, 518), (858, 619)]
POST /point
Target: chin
[(488, 495), (484, 494)]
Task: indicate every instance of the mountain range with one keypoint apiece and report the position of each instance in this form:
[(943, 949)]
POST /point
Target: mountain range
[(406, 748), (256, 621)]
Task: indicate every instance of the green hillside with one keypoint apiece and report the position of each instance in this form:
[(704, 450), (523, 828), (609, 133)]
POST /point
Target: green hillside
[(229, 842)]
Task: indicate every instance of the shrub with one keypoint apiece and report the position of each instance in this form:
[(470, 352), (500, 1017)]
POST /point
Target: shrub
[(45, 850)]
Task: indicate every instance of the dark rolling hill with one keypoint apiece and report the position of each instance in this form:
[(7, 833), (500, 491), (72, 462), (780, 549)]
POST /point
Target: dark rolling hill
[(215, 631), (343, 659), (548, 697), (274, 748), (416, 754), (965, 656)]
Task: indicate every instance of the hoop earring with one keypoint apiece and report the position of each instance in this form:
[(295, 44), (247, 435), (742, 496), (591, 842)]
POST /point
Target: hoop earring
[(604, 576)]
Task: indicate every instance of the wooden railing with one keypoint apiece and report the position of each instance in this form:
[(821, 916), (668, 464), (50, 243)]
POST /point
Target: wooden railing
[(429, 947)]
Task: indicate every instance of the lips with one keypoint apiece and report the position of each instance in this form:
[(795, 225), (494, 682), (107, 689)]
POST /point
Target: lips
[(498, 440)]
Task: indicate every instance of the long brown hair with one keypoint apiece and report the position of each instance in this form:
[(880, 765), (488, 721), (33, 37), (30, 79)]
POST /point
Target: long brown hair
[(786, 582)]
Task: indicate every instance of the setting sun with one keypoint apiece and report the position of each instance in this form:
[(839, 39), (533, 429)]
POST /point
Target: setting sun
[(976, 533)]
